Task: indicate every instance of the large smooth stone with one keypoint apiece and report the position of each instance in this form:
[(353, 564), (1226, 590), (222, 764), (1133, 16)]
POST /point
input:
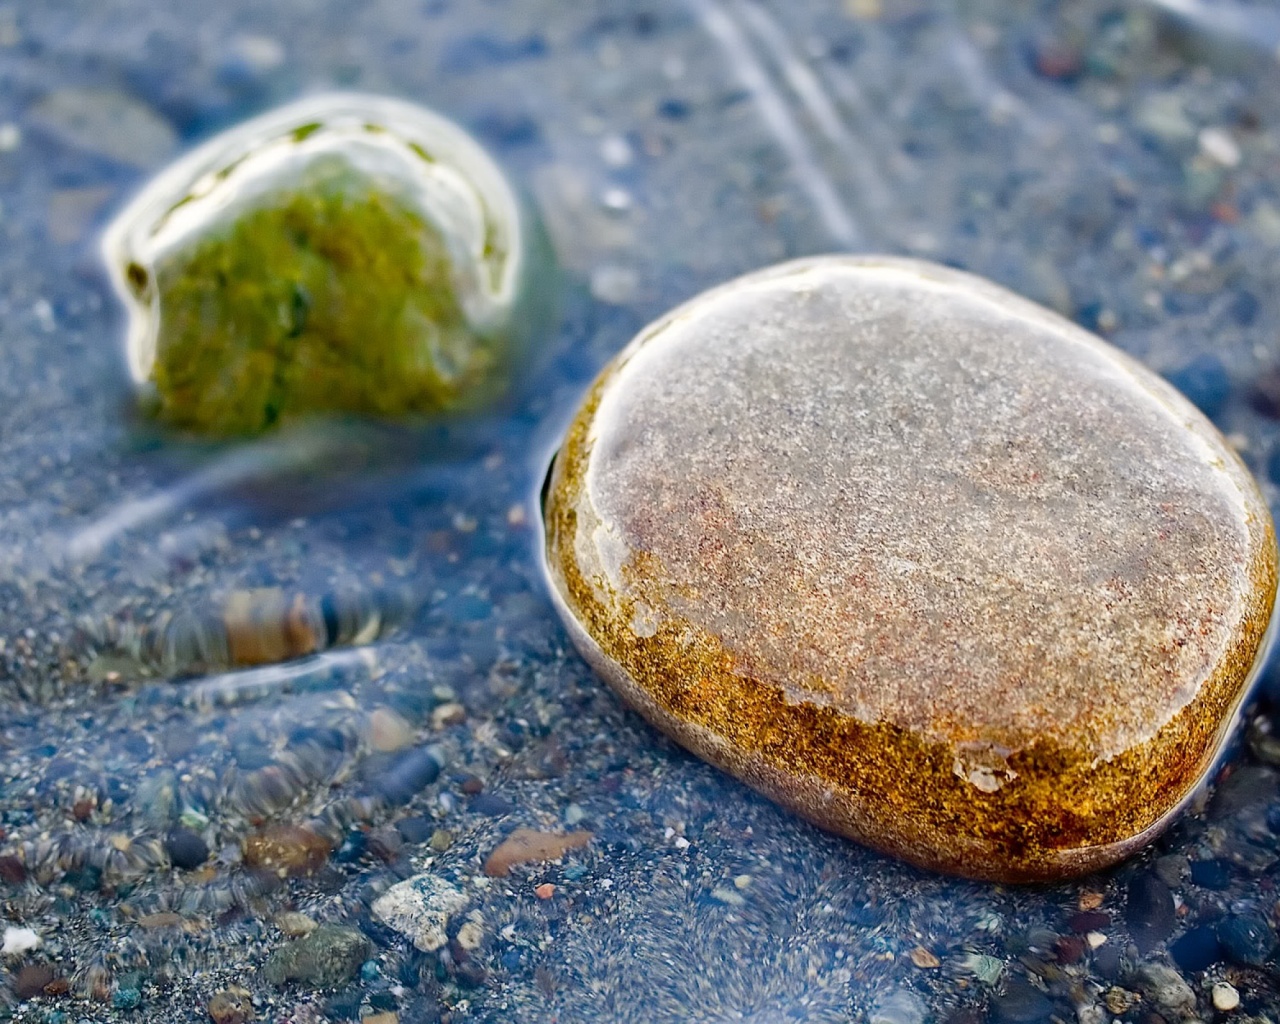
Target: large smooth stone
[(917, 559)]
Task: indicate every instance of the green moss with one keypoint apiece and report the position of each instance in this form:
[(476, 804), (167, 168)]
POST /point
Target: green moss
[(329, 295)]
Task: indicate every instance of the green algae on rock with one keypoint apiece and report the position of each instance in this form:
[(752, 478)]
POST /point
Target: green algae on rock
[(346, 253), (918, 559)]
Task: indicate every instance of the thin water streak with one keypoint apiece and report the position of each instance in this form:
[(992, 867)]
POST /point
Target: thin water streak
[(722, 27)]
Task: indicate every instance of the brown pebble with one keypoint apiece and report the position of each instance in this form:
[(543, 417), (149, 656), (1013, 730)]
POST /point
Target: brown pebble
[(164, 919), (288, 850), (263, 627), (57, 987), (30, 980), (1089, 900), (82, 810), (388, 731), (527, 845), (1069, 949), (472, 785), (390, 1017), (12, 870), (1088, 921), (922, 958), (294, 924), (917, 558), (544, 891), (232, 1005)]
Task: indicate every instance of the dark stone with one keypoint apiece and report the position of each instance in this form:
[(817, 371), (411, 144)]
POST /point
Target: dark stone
[(187, 849), (344, 1006), (352, 849), (1253, 784), (12, 870), (1211, 874), (30, 981), (84, 879), (471, 974), (673, 109), (408, 775), (1149, 913), (1022, 1003), (1196, 950), (415, 830), (1204, 380), (1069, 949), (1264, 396), (491, 805), (1244, 308), (384, 1000), (1107, 962), (1247, 939)]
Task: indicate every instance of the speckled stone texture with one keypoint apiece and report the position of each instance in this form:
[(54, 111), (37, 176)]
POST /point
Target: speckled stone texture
[(918, 559)]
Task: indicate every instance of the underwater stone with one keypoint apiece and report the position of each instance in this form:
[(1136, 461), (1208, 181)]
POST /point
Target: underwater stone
[(918, 559), (344, 254)]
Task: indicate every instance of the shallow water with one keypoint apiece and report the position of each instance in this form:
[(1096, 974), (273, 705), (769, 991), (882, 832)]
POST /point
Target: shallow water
[(1119, 163)]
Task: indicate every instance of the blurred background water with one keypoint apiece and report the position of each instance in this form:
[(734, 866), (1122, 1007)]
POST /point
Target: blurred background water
[(1117, 160)]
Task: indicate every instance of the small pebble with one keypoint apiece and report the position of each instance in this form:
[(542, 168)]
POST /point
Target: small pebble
[(1225, 997), (30, 980), (923, 959), (470, 935), (420, 908), (330, 956), (898, 1007), (1149, 911), (388, 731), (19, 940), (528, 846), (294, 924), (187, 849), (544, 891), (447, 715), (289, 850), (233, 1005), (1165, 987)]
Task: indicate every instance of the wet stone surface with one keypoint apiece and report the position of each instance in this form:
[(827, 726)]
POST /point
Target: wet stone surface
[(1114, 161), (346, 253), (918, 559)]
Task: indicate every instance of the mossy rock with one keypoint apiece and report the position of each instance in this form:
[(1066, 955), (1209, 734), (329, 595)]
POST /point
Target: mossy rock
[(347, 254)]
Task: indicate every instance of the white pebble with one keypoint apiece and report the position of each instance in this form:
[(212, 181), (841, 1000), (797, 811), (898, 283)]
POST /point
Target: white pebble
[(616, 151), (1220, 147), (1225, 997), (614, 284), (19, 940), (10, 137)]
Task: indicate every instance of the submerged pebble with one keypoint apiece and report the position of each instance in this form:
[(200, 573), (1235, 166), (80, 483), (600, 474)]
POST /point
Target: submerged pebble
[(918, 559), (329, 956), (345, 253)]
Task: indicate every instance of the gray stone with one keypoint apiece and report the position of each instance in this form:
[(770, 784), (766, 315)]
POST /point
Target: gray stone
[(330, 956), (1165, 987), (419, 908), (108, 124), (898, 1007)]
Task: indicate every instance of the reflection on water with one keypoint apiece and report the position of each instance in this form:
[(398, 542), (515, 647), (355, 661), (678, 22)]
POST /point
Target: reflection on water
[(1076, 155)]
